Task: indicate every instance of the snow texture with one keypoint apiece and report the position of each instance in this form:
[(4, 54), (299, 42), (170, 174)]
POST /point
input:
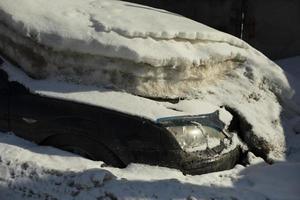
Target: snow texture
[(115, 100), (122, 45), (145, 51), (28, 172)]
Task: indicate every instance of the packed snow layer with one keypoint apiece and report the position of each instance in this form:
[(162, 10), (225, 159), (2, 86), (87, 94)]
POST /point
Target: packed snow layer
[(124, 46), (28, 171), (115, 100), (109, 28), (145, 51)]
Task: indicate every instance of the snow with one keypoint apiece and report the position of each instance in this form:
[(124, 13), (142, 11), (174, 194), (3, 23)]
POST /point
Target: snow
[(235, 93), (119, 101), (28, 171), (125, 46), (119, 46), (96, 51), (115, 28)]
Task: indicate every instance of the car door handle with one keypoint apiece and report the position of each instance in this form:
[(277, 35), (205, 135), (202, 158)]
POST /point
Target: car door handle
[(29, 120)]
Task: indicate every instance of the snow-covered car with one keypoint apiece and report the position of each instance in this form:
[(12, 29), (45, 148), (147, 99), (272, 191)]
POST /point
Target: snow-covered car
[(194, 144), (132, 61)]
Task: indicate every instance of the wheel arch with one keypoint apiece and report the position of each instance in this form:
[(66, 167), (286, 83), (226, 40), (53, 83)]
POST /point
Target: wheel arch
[(121, 152)]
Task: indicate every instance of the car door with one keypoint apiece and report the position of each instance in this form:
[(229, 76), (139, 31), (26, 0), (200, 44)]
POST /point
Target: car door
[(4, 104)]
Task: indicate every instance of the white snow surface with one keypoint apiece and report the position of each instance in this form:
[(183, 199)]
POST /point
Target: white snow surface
[(167, 56), (119, 101), (28, 171), (139, 49), (143, 51), (112, 28)]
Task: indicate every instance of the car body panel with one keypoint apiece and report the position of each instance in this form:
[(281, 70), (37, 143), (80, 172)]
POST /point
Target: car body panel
[(4, 101), (40, 118), (37, 118)]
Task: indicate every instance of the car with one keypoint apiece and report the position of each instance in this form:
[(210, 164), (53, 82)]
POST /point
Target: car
[(115, 137)]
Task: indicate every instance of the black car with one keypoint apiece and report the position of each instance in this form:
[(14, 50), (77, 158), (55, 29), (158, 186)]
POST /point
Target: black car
[(114, 137)]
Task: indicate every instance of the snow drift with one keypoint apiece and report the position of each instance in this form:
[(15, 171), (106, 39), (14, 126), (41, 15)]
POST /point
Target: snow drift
[(28, 171), (148, 52)]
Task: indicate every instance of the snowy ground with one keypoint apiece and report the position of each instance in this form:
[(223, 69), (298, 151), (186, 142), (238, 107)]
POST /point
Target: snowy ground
[(28, 171)]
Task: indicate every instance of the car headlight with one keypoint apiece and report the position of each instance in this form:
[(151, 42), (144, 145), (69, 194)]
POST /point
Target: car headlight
[(196, 133), (196, 137)]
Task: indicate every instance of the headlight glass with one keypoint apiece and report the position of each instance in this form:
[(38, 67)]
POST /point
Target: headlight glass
[(196, 137)]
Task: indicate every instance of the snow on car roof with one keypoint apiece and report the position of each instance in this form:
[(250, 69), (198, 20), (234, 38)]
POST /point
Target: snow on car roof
[(112, 28), (139, 49)]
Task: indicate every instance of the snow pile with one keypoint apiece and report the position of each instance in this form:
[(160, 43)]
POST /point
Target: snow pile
[(148, 52), (156, 111), (28, 172), (122, 45)]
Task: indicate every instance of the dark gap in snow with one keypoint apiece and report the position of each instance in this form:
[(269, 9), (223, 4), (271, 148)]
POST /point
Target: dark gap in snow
[(161, 99), (244, 130), (236, 124), (175, 109)]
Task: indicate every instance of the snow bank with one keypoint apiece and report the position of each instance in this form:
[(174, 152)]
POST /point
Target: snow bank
[(28, 171), (117, 44), (148, 52)]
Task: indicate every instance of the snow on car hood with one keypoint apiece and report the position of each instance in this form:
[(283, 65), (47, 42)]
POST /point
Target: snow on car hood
[(118, 101), (148, 52)]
